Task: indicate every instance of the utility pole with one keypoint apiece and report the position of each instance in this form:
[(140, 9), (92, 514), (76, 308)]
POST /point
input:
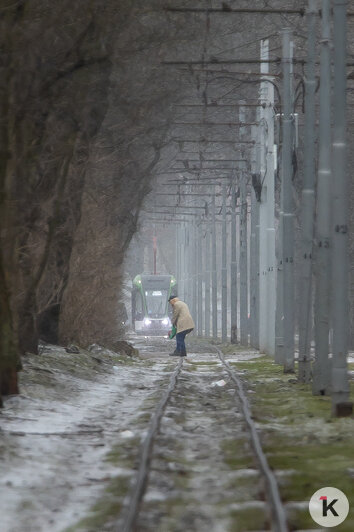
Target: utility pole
[(321, 367), (288, 208), (186, 270), (267, 237), (154, 247), (233, 271), (199, 265), (191, 267), (254, 250), (340, 307), (214, 288), (308, 203), (263, 249), (188, 283), (223, 270), (207, 278), (271, 262), (194, 273), (243, 249), (182, 291), (279, 316), (178, 255), (243, 263)]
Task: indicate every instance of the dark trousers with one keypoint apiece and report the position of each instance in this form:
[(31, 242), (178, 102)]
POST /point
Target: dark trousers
[(181, 346)]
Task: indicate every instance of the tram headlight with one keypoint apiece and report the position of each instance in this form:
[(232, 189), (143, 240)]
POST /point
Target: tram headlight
[(147, 321), (165, 321)]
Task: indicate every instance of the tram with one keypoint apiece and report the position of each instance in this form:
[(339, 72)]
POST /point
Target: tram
[(151, 314)]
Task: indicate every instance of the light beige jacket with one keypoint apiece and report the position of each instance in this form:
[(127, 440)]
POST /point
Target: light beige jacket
[(181, 317)]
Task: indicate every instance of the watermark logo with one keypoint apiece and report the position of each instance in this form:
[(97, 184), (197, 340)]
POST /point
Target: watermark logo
[(329, 507)]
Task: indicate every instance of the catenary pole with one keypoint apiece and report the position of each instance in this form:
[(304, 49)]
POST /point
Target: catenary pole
[(191, 267), (207, 263), (194, 274), (340, 307), (186, 270), (188, 284), (179, 244), (199, 278), (223, 270), (177, 253), (233, 265), (267, 266), (214, 288), (279, 315), (243, 249), (254, 245), (321, 367), (243, 262), (271, 261), (253, 269), (263, 251), (288, 208), (183, 261), (307, 203)]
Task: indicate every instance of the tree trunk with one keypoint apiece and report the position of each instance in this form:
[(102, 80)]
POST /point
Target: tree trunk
[(9, 361), (27, 333)]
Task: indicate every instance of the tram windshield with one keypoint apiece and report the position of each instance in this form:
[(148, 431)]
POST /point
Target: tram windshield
[(156, 303)]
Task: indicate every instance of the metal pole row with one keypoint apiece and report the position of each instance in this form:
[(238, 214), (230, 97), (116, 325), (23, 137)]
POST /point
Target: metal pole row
[(251, 257)]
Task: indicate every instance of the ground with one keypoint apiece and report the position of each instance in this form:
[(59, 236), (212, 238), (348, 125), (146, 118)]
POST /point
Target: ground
[(69, 443)]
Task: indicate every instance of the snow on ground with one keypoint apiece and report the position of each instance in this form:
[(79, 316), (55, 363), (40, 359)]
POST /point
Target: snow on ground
[(52, 447)]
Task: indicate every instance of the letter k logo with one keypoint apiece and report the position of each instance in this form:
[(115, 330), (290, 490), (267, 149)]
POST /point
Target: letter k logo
[(328, 507)]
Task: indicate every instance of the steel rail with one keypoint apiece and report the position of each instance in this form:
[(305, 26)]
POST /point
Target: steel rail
[(145, 456), (277, 508)]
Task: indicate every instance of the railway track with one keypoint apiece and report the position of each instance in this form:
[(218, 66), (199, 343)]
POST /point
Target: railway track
[(274, 500), (276, 515)]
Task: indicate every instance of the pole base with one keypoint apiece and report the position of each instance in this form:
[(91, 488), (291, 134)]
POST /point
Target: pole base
[(344, 409)]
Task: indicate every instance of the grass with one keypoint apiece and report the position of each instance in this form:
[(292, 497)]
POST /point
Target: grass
[(107, 509), (299, 437), (248, 519)]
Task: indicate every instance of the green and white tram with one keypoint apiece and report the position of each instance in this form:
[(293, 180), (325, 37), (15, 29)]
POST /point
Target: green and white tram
[(150, 308)]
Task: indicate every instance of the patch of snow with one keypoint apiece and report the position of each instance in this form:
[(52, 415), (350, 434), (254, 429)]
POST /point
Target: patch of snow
[(154, 496), (248, 505), (52, 467), (127, 434), (297, 505), (245, 473), (220, 383)]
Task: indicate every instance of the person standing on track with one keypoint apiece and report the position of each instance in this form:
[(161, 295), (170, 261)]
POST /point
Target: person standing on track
[(184, 323)]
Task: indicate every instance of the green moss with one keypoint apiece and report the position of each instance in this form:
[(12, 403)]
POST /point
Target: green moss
[(300, 436), (124, 360), (190, 368), (235, 348), (203, 363), (142, 419), (107, 509), (124, 454), (27, 505), (235, 455), (315, 466), (109, 506), (248, 519)]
